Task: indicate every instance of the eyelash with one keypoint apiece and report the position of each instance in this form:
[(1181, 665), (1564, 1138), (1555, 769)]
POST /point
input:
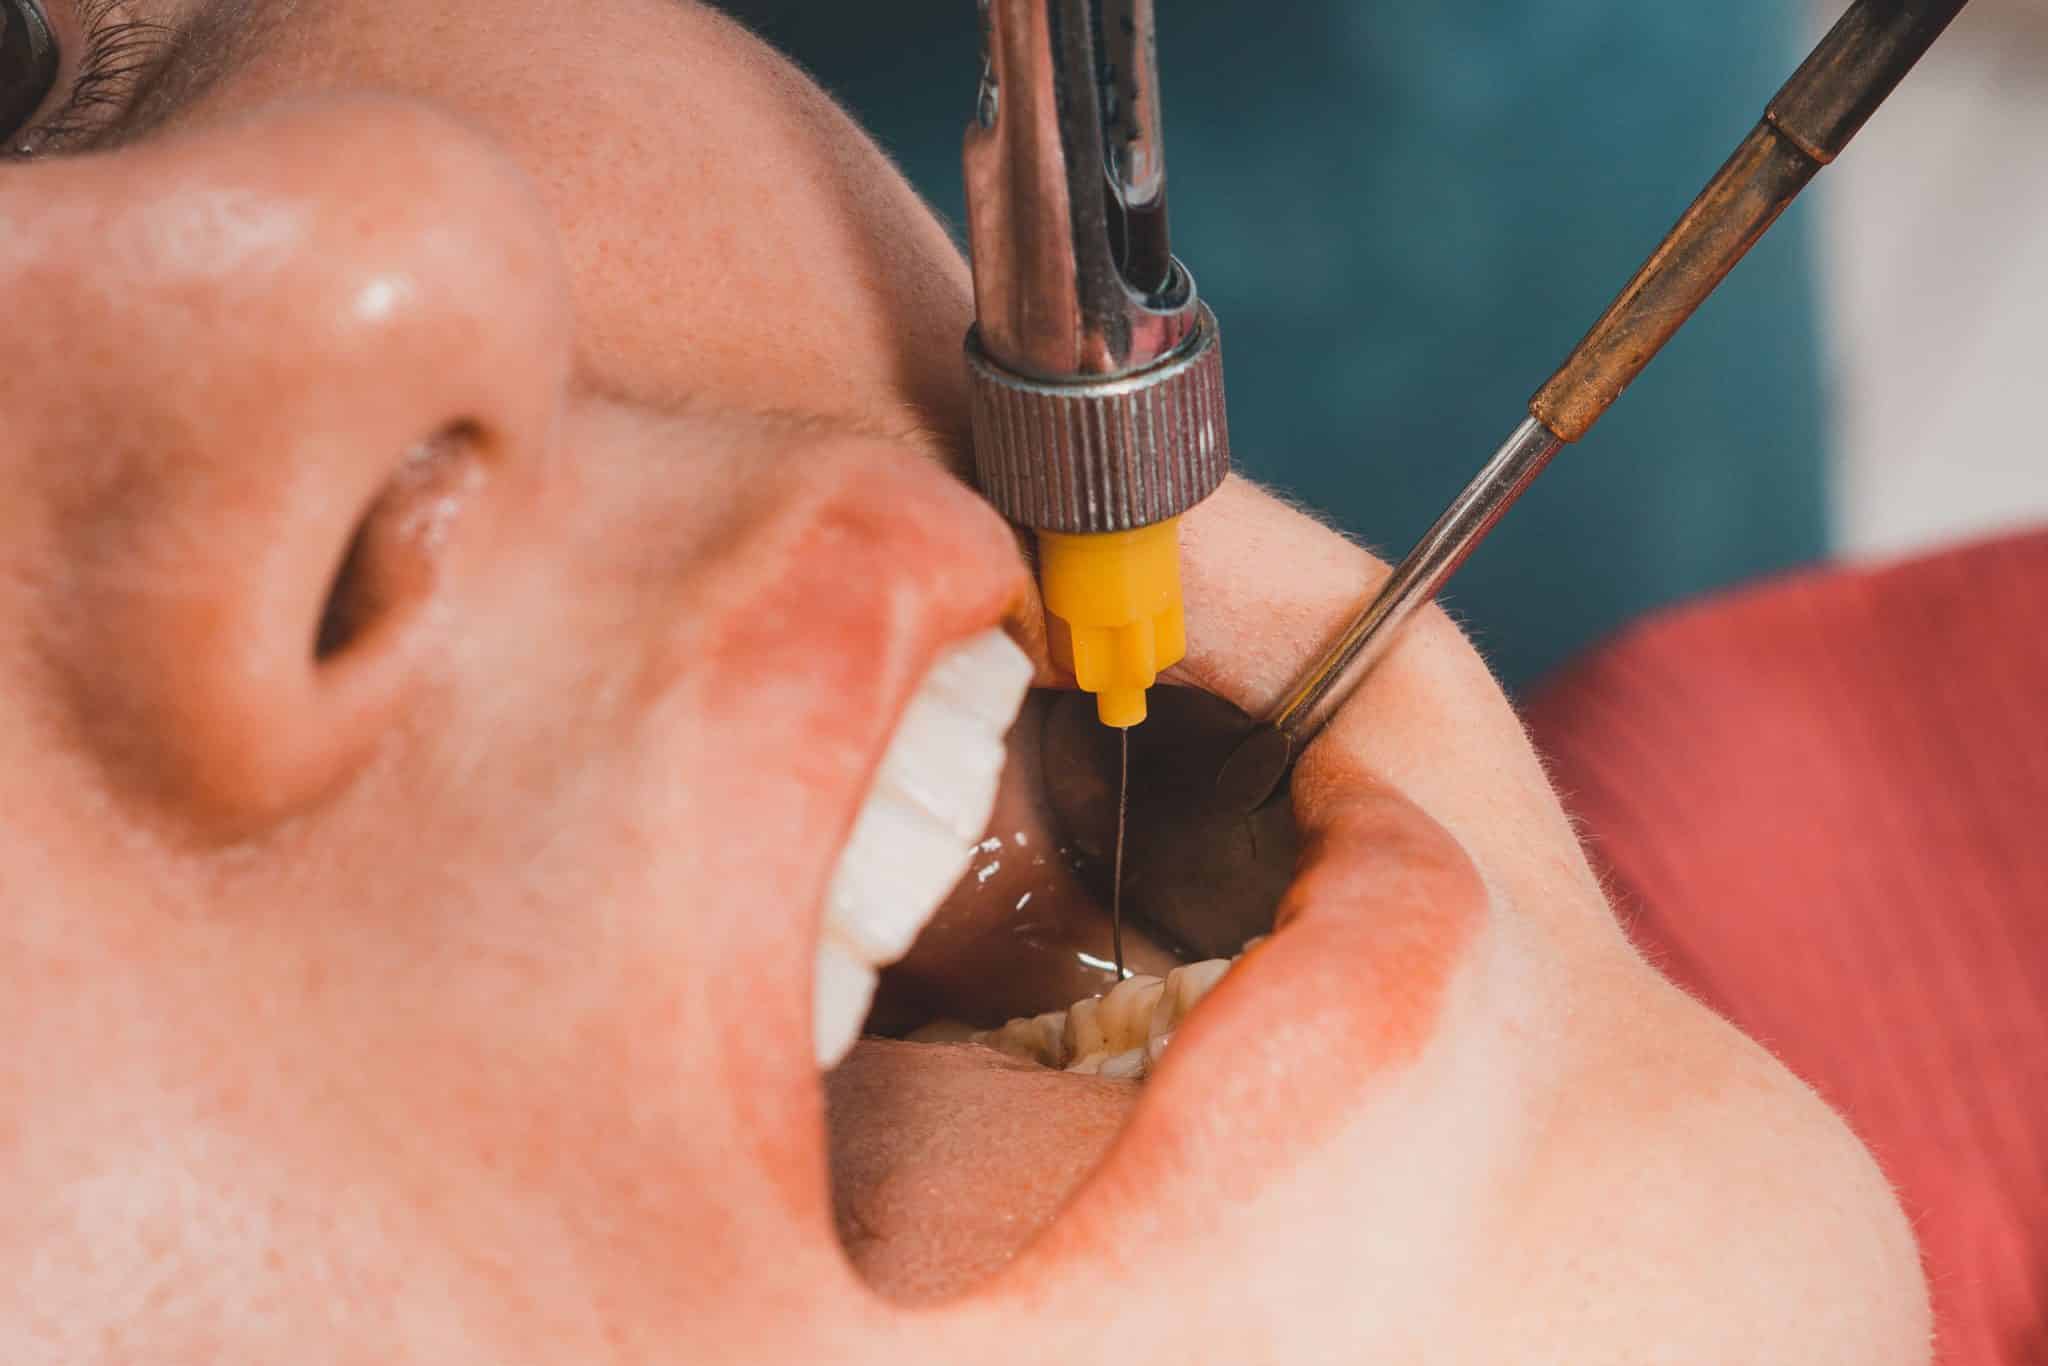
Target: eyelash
[(117, 51)]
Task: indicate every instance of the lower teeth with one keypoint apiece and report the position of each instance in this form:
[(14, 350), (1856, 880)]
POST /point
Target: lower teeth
[(1120, 1033)]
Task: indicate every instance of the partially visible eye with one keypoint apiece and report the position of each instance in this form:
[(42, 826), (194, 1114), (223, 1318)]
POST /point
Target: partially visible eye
[(28, 63), (116, 49)]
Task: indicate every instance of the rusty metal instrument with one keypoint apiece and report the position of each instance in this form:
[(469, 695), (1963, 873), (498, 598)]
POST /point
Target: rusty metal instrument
[(1855, 67)]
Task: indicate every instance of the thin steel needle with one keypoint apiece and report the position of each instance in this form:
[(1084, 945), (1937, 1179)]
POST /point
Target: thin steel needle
[(1116, 888)]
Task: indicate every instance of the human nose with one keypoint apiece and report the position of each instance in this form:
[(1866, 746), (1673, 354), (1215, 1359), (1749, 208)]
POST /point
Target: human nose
[(275, 375)]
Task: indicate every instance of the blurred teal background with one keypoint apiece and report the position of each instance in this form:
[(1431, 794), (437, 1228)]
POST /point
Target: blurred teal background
[(1404, 215)]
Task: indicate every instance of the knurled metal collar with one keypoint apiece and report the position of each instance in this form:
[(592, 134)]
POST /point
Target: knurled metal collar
[(1102, 455)]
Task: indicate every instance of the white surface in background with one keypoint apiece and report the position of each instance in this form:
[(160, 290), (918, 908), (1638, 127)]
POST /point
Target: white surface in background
[(1934, 229)]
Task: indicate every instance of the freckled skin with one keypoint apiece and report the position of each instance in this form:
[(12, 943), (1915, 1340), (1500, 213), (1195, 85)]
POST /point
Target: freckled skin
[(436, 987)]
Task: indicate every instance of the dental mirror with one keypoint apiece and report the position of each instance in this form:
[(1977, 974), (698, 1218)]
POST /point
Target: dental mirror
[(1201, 874)]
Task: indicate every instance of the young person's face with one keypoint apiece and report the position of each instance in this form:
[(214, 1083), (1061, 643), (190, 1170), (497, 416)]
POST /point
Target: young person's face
[(479, 495)]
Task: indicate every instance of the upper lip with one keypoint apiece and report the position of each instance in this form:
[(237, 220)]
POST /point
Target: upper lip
[(829, 581)]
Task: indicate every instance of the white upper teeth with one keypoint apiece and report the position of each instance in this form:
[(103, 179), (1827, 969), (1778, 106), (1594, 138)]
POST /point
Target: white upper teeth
[(916, 832)]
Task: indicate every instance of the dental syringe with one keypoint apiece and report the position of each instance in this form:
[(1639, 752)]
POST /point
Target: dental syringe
[(1096, 369), (1210, 871)]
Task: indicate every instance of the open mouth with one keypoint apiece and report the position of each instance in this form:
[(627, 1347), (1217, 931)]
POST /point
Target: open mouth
[(970, 902), (967, 926)]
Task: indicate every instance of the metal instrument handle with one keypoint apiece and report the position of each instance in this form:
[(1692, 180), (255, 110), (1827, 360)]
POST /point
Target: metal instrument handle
[(1825, 103)]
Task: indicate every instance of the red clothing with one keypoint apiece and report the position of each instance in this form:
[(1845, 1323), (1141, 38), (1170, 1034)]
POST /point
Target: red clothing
[(1823, 804)]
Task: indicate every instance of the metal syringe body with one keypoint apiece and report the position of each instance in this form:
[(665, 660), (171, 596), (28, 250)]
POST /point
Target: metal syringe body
[(1096, 370)]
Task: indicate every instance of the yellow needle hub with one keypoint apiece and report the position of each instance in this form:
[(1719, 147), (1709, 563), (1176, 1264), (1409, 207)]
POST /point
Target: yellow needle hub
[(1112, 603)]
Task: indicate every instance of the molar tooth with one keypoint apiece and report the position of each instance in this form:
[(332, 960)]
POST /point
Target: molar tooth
[(843, 986), (1125, 1015), (1122, 1033), (1035, 1038), (1186, 985), (1042, 1037), (1129, 1063), (1083, 1035)]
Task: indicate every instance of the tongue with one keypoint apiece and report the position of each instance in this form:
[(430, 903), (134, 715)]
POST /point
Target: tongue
[(946, 1160)]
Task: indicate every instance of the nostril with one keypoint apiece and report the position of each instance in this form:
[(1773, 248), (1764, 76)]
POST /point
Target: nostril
[(392, 557), (235, 678), (354, 598)]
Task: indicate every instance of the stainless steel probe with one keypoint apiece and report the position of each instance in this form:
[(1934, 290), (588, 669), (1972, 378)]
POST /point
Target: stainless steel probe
[(1831, 96)]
